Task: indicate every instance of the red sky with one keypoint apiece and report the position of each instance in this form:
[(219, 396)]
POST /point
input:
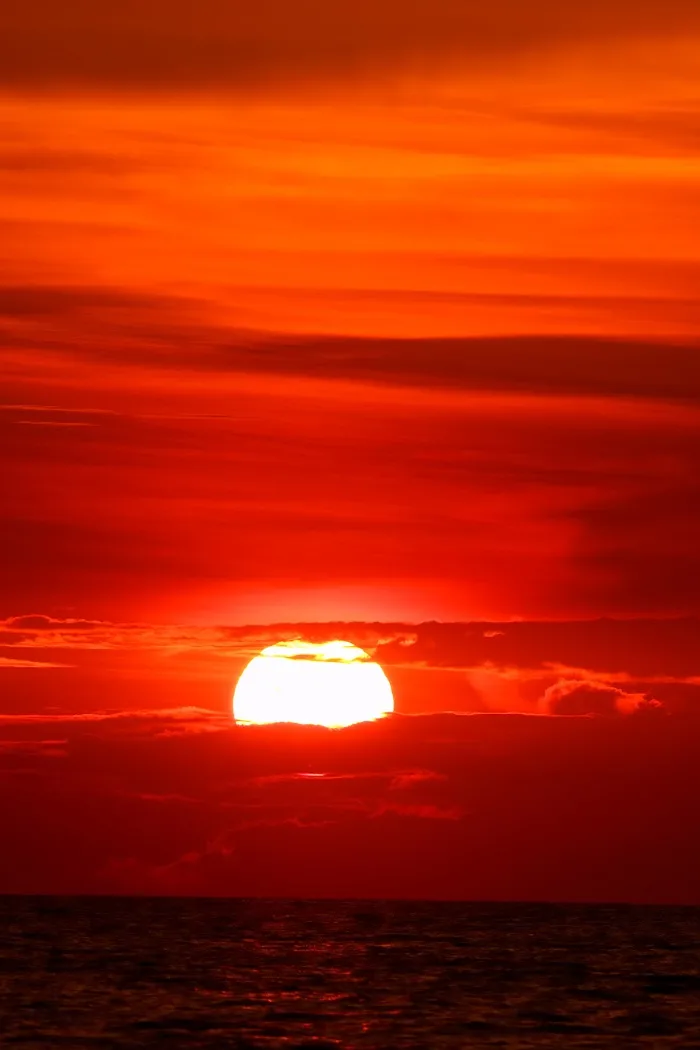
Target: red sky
[(364, 315)]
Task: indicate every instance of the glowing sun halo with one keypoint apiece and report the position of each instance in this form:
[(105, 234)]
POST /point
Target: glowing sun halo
[(330, 684)]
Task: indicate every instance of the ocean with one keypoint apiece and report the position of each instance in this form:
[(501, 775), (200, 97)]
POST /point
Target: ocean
[(139, 972)]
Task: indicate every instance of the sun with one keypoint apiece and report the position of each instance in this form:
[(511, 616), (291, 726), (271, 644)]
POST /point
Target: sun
[(330, 684)]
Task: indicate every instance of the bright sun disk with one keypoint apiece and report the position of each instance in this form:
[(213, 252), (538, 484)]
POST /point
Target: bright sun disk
[(330, 684)]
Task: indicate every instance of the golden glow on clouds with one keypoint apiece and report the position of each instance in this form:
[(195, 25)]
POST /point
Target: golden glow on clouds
[(330, 684)]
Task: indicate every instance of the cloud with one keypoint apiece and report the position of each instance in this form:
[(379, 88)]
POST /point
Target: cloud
[(642, 648), (46, 159), (53, 748), (159, 722), (413, 778), (12, 662), (50, 423), (129, 322), (487, 666), (573, 365), (557, 526), (164, 799), (156, 44), (394, 781), (439, 806), (55, 301), (571, 697), (46, 632), (675, 128), (422, 812), (38, 623)]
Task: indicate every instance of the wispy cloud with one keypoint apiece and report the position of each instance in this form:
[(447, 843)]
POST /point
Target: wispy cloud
[(13, 662)]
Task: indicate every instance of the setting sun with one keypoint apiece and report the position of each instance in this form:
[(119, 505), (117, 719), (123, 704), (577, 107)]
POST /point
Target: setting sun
[(331, 684)]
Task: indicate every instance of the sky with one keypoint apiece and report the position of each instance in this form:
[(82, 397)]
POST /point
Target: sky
[(368, 321)]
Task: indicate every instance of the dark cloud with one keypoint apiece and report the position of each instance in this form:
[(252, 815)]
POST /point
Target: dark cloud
[(149, 723), (126, 323), (48, 623), (31, 161), (581, 698), (637, 649), (640, 648), (159, 44), (476, 806), (39, 301), (540, 508), (550, 365), (15, 662)]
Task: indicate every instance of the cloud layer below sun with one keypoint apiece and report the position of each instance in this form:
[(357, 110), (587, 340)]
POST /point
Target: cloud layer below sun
[(438, 806)]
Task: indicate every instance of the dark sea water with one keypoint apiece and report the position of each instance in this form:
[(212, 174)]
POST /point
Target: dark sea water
[(120, 972)]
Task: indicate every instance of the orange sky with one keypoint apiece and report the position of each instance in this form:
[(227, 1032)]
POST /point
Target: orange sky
[(172, 199), (448, 171), (363, 312)]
